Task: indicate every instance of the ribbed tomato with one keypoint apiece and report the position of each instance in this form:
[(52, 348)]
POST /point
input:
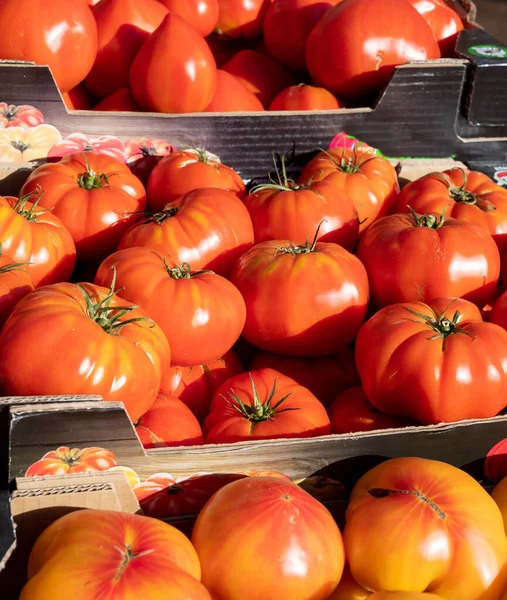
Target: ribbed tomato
[(22, 115), (15, 284), (305, 97), (444, 22), (232, 96), (241, 18), (202, 15), (65, 460)]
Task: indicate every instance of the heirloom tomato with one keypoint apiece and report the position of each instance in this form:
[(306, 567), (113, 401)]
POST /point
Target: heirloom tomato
[(352, 51), (263, 404), (91, 554), (369, 181), (21, 115), (232, 96), (411, 257), (95, 196), (280, 281), (202, 314), (188, 170), (65, 460), (201, 14), (268, 531), (444, 23), (57, 33), (143, 154), (105, 346), (119, 101), (77, 98), (241, 18), (78, 142), (21, 144), (416, 525), (416, 360), (208, 228), (168, 423), (174, 71), (464, 195), (15, 284), (305, 97)]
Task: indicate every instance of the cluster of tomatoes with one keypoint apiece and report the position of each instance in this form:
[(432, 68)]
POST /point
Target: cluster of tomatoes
[(181, 56)]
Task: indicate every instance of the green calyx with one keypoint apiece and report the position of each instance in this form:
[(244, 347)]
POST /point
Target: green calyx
[(441, 324), (429, 221), (162, 216), (184, 271), (349, 164), (293, 250), (461, 194), (31, 212), (282, 183), (89, 180)]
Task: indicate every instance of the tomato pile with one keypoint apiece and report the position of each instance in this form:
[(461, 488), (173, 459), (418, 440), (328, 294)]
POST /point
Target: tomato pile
[(183, 56)]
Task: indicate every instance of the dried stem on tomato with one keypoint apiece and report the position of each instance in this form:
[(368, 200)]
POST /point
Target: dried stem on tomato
[(461, 194), (294, 251)]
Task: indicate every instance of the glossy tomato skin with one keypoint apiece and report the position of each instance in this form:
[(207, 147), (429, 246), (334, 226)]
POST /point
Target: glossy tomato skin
[(498, 313), (468, 364), (269, 522), (241, 18), (174, 71), (225, 423), (15, 284), (64, 460), (275, 285), (208, 228), (369, 181), (159, 560), (348, 62), (232, 96), (455, 545), (444, 22), (305, 97), (53, 321), (119, 101), (57, 33), (457, 259), (96, 217), (201, 314), (186, 171), (202, 15)]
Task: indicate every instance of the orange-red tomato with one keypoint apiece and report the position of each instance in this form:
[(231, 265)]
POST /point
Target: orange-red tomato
[(208, 228), (202, 314), (241, 18), (57, 33), (263, 404), (90, 554), (174, 72), (119, 101), (305, 97), (201, 14), (95, 196), (368, 180), (186, 171), (418, 525), (271, 532), (168, 423), (444, 22), (65, 460), (15, 284), (415, 359), (77, 98), (232, 96)]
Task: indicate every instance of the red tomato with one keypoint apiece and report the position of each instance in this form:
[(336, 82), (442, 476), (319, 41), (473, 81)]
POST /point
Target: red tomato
[(353, 50), (444, 22), (202, 314), (261, 405), (232, 96), (37, 238), (174, 72), (186, 171), (325, 377), (57, 33), (122, 27), (15, 284), (260, 74), (465, 195), (119, 101), (102, 347), (351, 412), (288, 25), (143, 154), (19, 116), (278, 278), (90, 554), (63, 460), (455, 545), (454, 258), (78, 142), (241, 18), (369, 181), (77, 98), (415, 359), (271, 532), (168, 423), (498, 313), (202, 15), (96, 198), (305, 97)]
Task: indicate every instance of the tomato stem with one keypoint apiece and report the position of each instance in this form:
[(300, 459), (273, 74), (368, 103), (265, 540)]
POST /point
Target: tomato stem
[(184, 271), (90, 180), (351, 164), (296, 250), (429, 221), (441, 324)]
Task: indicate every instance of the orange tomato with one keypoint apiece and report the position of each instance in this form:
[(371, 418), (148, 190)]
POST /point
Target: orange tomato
[(119, 101), (15, 284), (404, 596), (348, 589), (202, 15), (64, 460), (499, 495), (305, 97), (232, 96)]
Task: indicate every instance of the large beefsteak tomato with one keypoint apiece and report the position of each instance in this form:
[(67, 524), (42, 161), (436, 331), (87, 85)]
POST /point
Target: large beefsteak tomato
[(65, 460)]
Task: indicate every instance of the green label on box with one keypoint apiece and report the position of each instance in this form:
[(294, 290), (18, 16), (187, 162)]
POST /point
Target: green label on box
[(488, 51)]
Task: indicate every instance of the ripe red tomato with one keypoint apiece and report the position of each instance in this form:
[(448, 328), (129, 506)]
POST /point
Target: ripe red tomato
[(241, 18), (201, 314), (454, 258), (95, 196), (232, 96), (19, 116), (119, 101), (77, 98), (465, 195), (444, 22), (15, 284), (498, 312), (36, 238), (208, 228), (174, 72), (64, 460), (261, 405), (57, 33), (278, 278), (260, 74), (455, 545), (202, 15), (353, 51), (463, 358), (271, 532), (168, 423), (186, 171), (195, 386), (143, 154), (102, 347), (369, 181), (288, 25), (305, 97)]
